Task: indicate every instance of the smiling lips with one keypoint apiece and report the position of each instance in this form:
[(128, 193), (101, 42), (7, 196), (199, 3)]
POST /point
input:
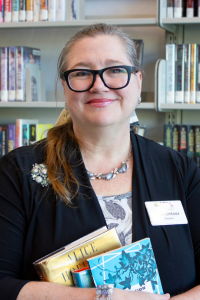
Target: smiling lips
[(100, 102)]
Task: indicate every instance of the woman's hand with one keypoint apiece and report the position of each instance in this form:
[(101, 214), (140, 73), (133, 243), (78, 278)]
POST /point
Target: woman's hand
[(130, 295)]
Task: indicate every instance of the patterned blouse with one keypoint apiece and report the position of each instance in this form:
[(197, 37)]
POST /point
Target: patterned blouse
[(117, 211)]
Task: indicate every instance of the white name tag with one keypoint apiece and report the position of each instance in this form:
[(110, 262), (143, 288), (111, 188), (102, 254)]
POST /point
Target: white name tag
[(166, 212)]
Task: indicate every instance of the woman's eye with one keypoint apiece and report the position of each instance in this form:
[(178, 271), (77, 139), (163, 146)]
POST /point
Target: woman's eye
[(117, 70), (80, 74)]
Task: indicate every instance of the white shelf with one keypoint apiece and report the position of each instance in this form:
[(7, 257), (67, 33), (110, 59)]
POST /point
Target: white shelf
[(179, 106), (180, 21), (44, 104), (80, 23), (58, 104)]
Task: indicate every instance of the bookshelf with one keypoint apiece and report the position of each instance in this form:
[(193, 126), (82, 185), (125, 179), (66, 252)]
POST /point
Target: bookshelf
[(138, 18)]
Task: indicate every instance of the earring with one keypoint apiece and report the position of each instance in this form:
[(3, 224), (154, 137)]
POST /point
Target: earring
[(139, 99)]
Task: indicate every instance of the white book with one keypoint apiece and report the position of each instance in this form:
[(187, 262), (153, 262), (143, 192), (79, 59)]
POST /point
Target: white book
[(4, 74), (60, 10), (29, 10), (36, 10), (22, 10), (19, 130), (178, 9), (7, 11), (170, 73), (20, 89), (170, 9), (52, 10), (75, 10), (43, 10)]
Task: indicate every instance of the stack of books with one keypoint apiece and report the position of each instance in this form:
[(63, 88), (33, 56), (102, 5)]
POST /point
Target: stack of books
[(99, 258), (183, 8)]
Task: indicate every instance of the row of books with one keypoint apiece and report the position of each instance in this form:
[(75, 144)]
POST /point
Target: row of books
[(21, 133), (183, 8), (20, 74), (40, 10), (183, 138), (182, 73), (99, 258)]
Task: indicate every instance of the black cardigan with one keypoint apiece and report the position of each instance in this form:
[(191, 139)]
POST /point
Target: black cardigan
[(33, 222)]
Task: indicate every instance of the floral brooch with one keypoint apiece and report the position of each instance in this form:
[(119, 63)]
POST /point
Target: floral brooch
[(39, 174)]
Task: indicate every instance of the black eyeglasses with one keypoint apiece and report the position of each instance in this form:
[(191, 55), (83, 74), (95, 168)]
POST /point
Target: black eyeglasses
[(115, 77)]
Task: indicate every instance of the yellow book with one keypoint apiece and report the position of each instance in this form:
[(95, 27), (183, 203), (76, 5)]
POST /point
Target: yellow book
[(57, 266), (42, 130)]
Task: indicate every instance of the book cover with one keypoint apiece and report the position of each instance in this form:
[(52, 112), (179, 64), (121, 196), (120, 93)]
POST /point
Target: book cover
[(20, 77), (170, 9), (175, 137), (4, 74), (131, 267), (179, 74), (191, 140), (32, 133), (22, 10), (170, 73), (193, 63), (83, 278), (19, 130), (29, 10), (7, 11), (189, 8), (168, 135), (57, 266), (42, 130), (25, 134), (11, 74), (15, 10), (178, 8), (183, 139)]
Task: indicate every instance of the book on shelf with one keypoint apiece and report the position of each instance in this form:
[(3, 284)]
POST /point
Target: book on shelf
[(29, 10), (193, 62), (22, 10), (1, 11), (42, 130), (60, 10), (36, 10), (131, 267), (43, 10), (189, 8), (170, 73), (15, 10), (11, 73), (168, 135), (75, 10), (178, 8), (190, 141), (57, 266), (4, 73), (52, 10), (179, 74), (7, 11), (170, 9), (20, 134), (198, 74), (83, 278), (197, 144), (187, 67)]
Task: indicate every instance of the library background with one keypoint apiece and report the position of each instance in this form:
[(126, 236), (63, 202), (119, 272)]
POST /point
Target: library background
[(33, 32)]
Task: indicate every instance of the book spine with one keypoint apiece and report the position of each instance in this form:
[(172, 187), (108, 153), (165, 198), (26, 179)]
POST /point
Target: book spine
[(60, 10), (43, 10), (178, 8), (175, 137), (22, 10), (170, 9), (7, 11), (18, 133), (15, 10), (20, 93), (168, 135), (32, 133), (52, 10), (25, 134), (198, 8), (0, 141), (190, 148), (193, 74), (83, 278), (198, 75), (179, 74), (197, 145), (183, 139), (29, 10), (36, 10), (187, 57), (1, 11), (189, 8), (4, 74), (11, 73), (11, 137), (170, 72)]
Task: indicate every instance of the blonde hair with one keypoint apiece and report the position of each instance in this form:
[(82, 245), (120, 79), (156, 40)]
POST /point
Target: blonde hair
[(61, 141)]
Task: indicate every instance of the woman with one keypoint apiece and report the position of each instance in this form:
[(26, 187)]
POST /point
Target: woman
[(57, 191)]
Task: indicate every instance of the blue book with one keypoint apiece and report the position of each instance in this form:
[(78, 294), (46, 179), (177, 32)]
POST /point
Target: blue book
[(131, 267), (83, 278)]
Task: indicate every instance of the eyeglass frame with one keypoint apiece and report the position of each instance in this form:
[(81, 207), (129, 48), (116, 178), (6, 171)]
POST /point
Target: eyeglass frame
[(129, 69)]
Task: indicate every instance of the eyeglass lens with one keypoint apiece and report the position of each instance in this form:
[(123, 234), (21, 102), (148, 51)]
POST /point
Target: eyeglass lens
[(113, 77)]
